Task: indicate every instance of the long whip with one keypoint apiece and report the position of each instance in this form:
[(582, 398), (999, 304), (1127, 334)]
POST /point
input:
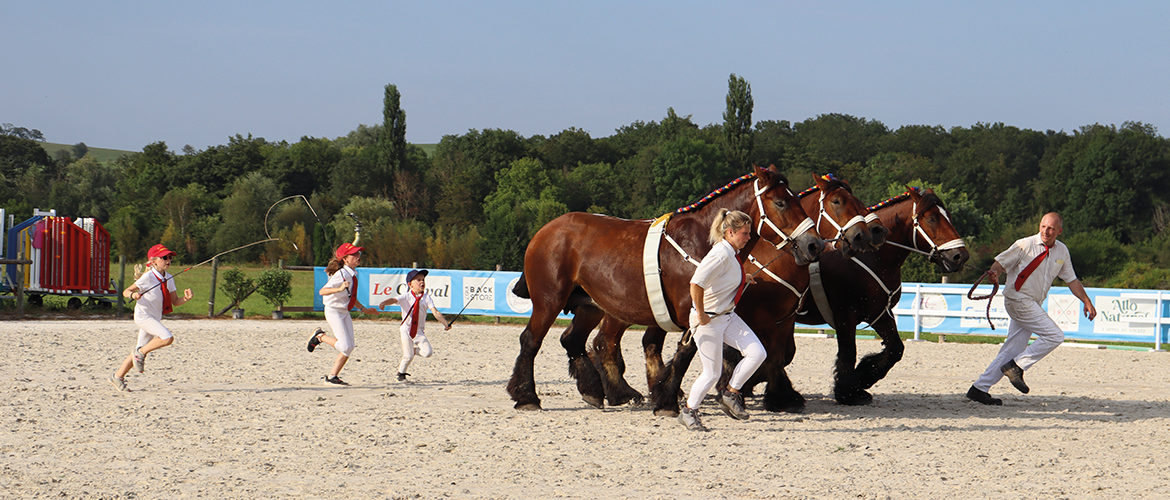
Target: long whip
[(241, 247)]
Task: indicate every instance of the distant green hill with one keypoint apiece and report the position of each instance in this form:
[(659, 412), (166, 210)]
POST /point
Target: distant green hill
[(99, 154)]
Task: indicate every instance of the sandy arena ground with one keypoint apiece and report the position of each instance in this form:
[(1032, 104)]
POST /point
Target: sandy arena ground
[(237, 409)]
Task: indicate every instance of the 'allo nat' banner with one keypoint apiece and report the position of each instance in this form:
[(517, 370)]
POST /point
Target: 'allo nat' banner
[(1122, 315)]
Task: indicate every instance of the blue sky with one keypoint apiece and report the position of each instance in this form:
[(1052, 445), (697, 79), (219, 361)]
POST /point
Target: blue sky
[(123, 75)]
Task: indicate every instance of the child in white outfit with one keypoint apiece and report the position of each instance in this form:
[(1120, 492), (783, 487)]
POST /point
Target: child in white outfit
[(156, 295), (414, 303)]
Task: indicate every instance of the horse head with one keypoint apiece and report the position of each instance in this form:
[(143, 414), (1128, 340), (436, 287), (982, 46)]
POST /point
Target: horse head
[(838, 209), (782, 220), (934, 232)]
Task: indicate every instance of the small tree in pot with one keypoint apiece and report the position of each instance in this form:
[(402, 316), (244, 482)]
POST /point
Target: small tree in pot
[(275, 285), (237, 287)]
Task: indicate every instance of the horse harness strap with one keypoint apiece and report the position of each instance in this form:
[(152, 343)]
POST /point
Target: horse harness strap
[(652, 273), (753, 260), (818, 292), (889, 294)]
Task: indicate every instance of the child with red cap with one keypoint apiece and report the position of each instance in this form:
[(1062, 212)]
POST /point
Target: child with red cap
[(340, 296), (156, 295)]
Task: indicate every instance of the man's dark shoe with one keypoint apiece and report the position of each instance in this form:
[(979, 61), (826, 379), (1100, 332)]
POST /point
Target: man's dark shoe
[(1015, 374), (982, 397)]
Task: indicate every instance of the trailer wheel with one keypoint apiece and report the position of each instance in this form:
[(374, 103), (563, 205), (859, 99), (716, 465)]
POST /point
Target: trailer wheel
[(74, 304), (35, 300)]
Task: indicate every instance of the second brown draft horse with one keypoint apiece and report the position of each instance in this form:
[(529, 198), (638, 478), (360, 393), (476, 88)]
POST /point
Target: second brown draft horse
[(591, 265)]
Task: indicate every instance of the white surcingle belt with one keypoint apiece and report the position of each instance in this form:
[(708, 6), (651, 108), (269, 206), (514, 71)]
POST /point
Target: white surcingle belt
[(652, 272)]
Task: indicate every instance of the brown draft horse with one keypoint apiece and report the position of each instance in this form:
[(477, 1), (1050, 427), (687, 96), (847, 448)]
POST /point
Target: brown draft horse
[(840, 216), (591, 265), (857, 295), (769, 309)]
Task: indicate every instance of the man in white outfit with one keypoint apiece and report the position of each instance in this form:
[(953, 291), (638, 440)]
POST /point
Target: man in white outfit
[(1031, 264)]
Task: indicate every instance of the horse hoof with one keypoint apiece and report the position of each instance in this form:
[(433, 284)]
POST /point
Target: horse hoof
[(594, 401), (528, 407), (666, 413), (856, 398)]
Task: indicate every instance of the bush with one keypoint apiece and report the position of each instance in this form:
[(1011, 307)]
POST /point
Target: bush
[(237, 286), (275, 285)]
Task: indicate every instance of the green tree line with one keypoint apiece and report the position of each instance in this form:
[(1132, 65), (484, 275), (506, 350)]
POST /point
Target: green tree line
[(477, 199)]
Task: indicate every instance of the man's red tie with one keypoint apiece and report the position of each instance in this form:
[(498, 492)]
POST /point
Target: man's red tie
[(742, 282), (352, 293), (1031, 267), (414, 315)]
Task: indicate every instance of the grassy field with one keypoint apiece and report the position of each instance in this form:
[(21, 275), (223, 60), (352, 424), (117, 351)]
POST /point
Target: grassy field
[(99, 154)]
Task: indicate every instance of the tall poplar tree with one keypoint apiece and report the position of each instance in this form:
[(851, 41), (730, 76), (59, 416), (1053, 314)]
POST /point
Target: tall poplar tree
[(392, 140), (737, 122)]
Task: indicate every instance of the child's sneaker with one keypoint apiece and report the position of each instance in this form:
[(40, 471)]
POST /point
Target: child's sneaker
[(402, 377), (139, 360), (315, 340), (335, 380), (119, 383)]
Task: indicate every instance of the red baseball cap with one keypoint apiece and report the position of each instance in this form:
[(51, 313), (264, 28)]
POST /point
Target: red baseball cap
[(346, 249), (158, 251)]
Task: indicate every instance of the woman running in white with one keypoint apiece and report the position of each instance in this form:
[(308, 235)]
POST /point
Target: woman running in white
[(715, 289)]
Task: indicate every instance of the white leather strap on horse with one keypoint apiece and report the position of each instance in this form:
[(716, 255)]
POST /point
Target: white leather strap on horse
[(652, 273), (765, 270), (889, 293), (818, 292)]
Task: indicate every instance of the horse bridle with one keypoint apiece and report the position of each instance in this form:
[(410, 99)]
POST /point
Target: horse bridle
[(935, 249), (824, 214), (801, 228)]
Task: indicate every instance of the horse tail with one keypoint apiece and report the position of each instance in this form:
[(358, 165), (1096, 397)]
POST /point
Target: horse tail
[(521, 288)]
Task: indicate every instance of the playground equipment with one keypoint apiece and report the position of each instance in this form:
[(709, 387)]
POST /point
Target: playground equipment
[(68, 258)]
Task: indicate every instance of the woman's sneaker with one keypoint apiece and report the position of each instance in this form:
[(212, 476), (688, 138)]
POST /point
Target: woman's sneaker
[(690, 419), (119, 383), (732, 403)]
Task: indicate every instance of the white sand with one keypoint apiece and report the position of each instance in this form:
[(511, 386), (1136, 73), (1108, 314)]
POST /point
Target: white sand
[(237, 409)]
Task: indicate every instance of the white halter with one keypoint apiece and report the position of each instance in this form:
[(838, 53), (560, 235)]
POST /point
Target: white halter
[(801, 228), (824, 214), (934, 249)]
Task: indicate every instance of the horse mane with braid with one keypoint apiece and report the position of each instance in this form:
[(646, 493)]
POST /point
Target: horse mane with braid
[(773, 180), (834, 183), (929, 199)]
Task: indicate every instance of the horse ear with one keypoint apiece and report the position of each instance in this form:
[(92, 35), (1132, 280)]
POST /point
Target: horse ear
[(821, 182), (772, 168), (761, 173), (914, 194)]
